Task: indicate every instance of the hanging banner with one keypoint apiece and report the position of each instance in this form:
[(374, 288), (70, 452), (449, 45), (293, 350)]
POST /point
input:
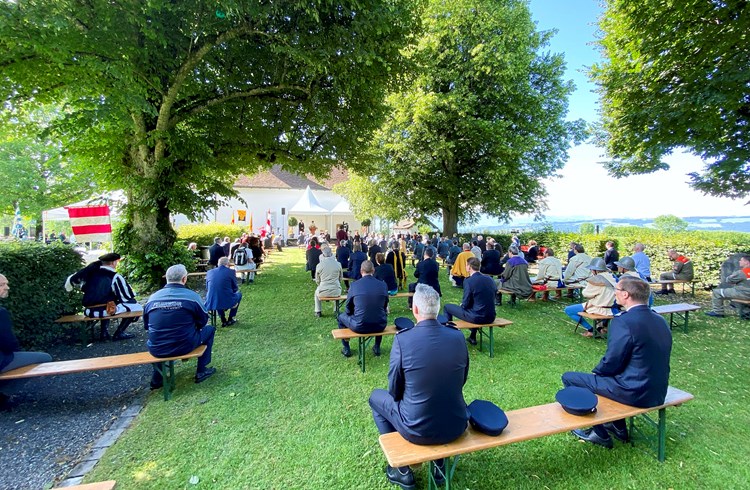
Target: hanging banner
[(90, 223), (241, 214)]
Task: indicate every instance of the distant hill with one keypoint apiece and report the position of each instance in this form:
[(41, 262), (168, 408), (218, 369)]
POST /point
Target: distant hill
[(705, 223)]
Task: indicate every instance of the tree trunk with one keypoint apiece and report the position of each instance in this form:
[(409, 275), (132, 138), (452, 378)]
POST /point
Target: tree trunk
[(450, 219)]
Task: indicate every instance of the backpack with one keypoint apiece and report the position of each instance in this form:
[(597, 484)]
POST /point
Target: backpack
[(240, 257)]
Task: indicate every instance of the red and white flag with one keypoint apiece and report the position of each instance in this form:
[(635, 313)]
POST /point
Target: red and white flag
[(90, 223)]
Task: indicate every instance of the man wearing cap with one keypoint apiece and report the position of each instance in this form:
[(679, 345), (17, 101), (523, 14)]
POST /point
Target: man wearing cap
[(365, 309), (682, 270), (626, 267), (599, 293), (737, 286), (642, 262), (222, 292), (102, 284), (635, 367), (424, 402), (478, 303), (177, 324)]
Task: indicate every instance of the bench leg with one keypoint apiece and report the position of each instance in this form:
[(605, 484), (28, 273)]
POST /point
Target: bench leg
[(685, 325), (660, 425), (662, 449), (166, 369), (492, 343), (480, 331), (362, 348), (338, 306), (450, 469)]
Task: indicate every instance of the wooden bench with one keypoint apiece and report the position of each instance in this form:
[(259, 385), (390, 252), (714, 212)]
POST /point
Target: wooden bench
[(526, 424), (101, 485), (340, 299), (691, 282), (574, 288), (600, 322), (82, 318), (165, 365), (363, 339), (682, 310)]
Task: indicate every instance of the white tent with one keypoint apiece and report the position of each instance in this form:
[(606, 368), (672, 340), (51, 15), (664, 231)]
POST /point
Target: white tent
[(309, 206), (342, 208)]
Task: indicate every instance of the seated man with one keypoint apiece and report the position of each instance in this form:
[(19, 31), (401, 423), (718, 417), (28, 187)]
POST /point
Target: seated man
[(176, 323), (222, 292), (356, 259), (599, 293), (101, 284), (215, 252), (244, 263), (515, 277), (635, 368), (682, 270), (365, 309), (328, 277), (278, 242), (611, 256), (549, 273), (444, 248), (491, 260), (737, 286), (385, 273), (642, 262), (478, 303), (342, 254), (453, 252), (427, 272), (577, 269), (532, 254), (11, 355), (459, 271), (428, 369)]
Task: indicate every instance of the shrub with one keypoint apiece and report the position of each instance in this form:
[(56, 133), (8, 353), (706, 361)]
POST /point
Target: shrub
[(292, 221), (204, 234), (37, 274), (669, 223)]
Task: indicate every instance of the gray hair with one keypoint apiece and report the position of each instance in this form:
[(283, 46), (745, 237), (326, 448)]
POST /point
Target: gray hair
[(224, 261), (176, 273), (427, 301), (466, 246), (513, 249), (326, 250)]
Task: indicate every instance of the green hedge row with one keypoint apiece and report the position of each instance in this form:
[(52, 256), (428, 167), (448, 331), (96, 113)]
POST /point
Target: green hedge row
[(204, 235), (36, 274)]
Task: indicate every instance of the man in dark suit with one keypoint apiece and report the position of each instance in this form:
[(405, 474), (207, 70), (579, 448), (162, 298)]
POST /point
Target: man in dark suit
[(491, 261), (478, 304), (635, 367), (427, 272), (222, 292), (356, 258), (215, 252), (365, 310), (428, 369), (373, 249)]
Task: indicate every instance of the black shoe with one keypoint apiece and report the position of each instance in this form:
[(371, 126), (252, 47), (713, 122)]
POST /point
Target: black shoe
[(590, 436), (376, 350), (229, 323), (346, 351), (201, 377), (621, 434), (6, 403), (714, 314), (123, 336), (663, 291), (156, 386), (104, 335), (403, 477), (318, 314), (438, 472), (472, 341)]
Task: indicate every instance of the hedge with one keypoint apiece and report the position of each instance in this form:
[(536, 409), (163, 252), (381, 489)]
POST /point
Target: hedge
[(36, 274), (204, 234)]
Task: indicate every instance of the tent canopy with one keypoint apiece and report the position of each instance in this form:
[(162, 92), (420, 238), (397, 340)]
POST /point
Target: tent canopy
[(308, 204), (342, 207)]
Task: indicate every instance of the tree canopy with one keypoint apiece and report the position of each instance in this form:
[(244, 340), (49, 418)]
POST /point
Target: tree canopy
[(669, 223), (480, 124), (675, 76), (171, 100)]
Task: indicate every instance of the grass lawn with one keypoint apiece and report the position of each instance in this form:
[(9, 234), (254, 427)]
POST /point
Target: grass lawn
[(286, 410)]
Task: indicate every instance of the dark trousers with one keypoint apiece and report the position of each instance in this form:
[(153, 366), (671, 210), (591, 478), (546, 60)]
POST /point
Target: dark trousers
[(597, 384), (206, 338), (457, 311), (346, 321)]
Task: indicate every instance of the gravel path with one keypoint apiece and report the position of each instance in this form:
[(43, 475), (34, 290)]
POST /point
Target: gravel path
[(57, 418)]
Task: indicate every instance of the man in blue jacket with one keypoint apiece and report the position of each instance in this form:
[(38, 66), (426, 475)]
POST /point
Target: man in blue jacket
[(427, 272), (176, 322), (478, 304), (428, 368), (365, 310), (222, 292), (635, 367)]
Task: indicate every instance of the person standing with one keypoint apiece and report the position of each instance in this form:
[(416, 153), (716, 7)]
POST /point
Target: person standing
[(635, 367), (424, 402), (222, 292), (177, 324)]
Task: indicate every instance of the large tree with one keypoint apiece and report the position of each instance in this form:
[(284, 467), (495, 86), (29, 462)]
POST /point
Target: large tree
[(170, 100), (481, 124), (675, 75)]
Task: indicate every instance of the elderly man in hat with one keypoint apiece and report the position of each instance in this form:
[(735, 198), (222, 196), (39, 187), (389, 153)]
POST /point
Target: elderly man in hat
[(682, 270), (177, 324), (103, 285), (424, 401), (635, 367), (599, 293)]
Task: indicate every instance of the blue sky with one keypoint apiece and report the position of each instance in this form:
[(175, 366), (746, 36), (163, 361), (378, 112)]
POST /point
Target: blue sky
[(664, 192)]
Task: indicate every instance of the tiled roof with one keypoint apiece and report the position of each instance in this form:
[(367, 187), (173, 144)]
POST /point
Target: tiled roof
[(276, 178)]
